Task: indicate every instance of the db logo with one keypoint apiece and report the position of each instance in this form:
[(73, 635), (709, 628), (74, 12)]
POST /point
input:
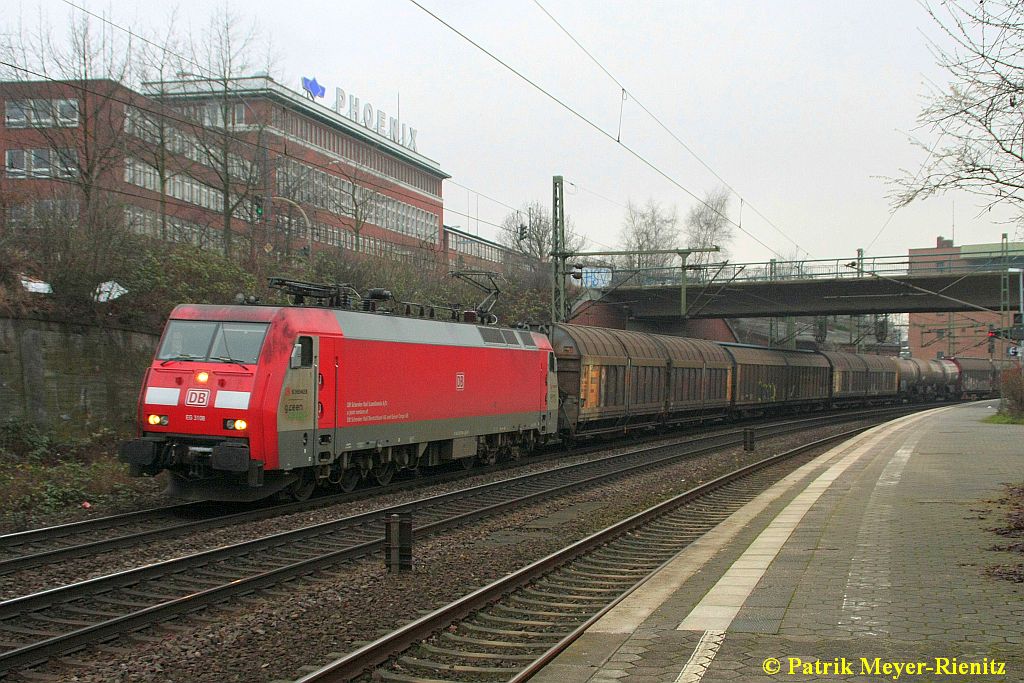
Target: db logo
[(460, 381), (200, 398)]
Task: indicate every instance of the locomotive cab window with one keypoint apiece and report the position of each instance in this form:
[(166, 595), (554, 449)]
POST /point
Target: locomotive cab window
[(211, 340)]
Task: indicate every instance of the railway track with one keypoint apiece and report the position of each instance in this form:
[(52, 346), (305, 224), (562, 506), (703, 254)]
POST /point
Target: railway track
[(510, 629), (36, 627), (48, 545)]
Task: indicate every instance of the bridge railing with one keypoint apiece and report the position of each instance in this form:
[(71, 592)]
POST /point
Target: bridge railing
[(816, 269)]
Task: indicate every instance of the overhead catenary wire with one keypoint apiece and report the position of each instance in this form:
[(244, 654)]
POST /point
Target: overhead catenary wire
[(634, 153), (626, 93), (202, 68)]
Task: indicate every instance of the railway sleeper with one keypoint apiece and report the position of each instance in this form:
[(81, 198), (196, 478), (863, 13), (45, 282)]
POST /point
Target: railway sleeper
[(564, 614), (385, 675), (602, 576), (499, 673), (584, 590), (476, 655), (600, 565), (538, 648), (554, 598), (618, 553), (582, 606), (516, 621), (550, 637)]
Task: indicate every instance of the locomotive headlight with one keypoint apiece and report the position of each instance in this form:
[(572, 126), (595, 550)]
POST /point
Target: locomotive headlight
[(229, 424), (235, 425), (163, 420), (240, 424), (153, 420), (202, 377)]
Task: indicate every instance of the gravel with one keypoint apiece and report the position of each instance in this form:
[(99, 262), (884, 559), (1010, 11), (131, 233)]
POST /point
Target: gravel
[(270, 635), (58, 574)]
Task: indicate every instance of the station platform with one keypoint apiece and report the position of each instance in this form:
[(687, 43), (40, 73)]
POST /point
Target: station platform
[(866, 564)]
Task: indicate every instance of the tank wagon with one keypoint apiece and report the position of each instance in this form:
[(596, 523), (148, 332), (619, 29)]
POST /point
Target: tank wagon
[(246, 401)]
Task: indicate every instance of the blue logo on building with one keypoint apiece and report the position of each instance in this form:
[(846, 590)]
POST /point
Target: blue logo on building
[(312, 88)]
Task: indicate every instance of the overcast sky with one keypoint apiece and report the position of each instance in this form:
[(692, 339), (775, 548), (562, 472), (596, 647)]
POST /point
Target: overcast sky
[(803, 107)]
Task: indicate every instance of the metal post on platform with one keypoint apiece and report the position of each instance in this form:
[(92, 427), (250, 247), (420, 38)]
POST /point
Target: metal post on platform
[(1020, 308), (398, 541), (748, 439)]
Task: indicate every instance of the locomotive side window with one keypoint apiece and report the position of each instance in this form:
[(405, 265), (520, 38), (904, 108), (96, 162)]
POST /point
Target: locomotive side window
[(302, 354)]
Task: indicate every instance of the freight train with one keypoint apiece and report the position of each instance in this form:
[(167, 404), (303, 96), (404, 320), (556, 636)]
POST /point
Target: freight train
[(242, 402)]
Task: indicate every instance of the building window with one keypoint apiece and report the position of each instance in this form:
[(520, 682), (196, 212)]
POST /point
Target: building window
[(41, 113), (42, 212), (16, 163), (42, 163), (17, 114)]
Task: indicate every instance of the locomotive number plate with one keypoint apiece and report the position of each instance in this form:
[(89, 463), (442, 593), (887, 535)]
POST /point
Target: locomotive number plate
[(200, 398)]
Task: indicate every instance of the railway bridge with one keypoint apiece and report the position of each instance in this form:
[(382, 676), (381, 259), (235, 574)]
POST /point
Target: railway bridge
[(808, 288)]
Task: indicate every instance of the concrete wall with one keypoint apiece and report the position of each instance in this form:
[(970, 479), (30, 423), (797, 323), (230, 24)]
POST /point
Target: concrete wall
[(71, 379)]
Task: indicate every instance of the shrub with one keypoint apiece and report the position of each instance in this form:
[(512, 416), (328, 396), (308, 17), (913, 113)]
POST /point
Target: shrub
[(1012, 388)]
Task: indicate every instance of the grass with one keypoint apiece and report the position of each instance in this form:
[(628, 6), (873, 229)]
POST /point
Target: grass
[(44, 481), (1003, 419)]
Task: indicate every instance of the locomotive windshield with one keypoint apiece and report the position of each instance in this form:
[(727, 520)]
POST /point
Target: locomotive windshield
[(208, 340)]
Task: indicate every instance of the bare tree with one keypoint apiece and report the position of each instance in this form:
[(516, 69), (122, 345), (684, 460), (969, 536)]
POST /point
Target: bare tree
[(78, 119), (647, 228), (154, 136), (360, 202), (529, 232), (977, 121), (229, 140), (708, 225)]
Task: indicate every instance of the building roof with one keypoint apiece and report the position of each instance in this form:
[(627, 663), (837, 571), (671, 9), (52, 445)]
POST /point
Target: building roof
[(264, 86)]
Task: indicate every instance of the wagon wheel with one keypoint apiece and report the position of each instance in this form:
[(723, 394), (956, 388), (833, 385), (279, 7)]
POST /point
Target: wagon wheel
[(467, 463), (488, 457), (350, 479), (513, 453), (304, 487), (384, 473)]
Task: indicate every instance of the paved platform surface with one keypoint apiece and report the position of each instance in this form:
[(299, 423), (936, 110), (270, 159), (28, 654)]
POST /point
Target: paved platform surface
[(869, 558)]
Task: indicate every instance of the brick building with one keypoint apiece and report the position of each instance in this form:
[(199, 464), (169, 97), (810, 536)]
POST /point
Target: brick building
[(938, 335), (214, 163)]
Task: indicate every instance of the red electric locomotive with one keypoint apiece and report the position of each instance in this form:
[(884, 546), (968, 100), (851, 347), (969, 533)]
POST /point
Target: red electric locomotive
[(245, 401)]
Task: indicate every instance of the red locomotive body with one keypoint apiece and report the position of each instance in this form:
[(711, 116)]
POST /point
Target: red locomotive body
[(245, 401)]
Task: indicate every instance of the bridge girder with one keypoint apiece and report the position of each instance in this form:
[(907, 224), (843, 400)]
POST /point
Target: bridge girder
[(810, 297)]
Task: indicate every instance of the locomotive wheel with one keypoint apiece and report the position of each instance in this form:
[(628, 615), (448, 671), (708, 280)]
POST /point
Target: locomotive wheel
[(384, 473), (350, 479), (304, 487)]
